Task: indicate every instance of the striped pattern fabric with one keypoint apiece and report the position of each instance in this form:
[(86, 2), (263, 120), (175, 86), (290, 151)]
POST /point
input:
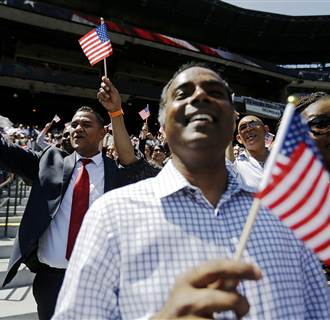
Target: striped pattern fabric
[(299, 191), (96, 44)]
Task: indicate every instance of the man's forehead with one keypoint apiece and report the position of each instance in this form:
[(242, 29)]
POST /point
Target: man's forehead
[(84, 116), (249, 118), (197, 74)]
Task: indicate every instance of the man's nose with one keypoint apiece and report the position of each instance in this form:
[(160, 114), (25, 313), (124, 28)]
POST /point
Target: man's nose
[(199, 95)]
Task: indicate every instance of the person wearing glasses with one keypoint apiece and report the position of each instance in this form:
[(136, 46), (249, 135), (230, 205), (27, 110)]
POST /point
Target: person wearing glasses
[(315, 108), (250, 163)]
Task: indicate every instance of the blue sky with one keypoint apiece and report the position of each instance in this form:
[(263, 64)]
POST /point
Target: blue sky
[(287, 7)]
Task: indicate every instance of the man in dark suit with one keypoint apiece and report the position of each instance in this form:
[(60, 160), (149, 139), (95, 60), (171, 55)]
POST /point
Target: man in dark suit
[(44, 241)]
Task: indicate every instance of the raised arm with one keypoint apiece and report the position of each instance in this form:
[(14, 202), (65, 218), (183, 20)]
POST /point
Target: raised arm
[(18, 160), (41, 142), (110, 98)]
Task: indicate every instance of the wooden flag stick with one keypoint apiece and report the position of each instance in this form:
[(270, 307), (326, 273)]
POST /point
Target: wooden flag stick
[(247, 229), (105, 59)]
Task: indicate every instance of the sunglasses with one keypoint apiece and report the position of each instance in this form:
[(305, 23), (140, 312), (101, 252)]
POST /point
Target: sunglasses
[(250, 124), (319, 125)]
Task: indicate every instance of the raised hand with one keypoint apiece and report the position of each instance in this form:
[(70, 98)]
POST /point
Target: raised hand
[(109, 96)]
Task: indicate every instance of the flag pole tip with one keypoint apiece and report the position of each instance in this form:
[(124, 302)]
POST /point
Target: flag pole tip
[(293, 99)]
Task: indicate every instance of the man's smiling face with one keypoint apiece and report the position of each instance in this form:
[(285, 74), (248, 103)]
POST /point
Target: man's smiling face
[(199, 114), (251, 133)]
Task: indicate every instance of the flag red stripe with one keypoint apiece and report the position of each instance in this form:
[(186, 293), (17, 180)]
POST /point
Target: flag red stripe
[(83, 38), (304, 199), (327, 262), (90, 41), (98, 50), (92, 45), (286, 169), (294, 186), (317, 230), (94, 61), (323, 246), (314, 212)]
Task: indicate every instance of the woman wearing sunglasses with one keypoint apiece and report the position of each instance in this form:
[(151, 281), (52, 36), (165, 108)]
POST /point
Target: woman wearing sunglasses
[(315, 108)]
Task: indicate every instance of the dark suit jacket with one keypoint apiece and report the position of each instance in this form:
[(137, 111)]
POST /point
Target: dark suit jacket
[(50, 172)]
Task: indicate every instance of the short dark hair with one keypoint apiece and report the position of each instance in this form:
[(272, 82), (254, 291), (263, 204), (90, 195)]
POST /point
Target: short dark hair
[(91, 110), (305, 101), (192, 64)]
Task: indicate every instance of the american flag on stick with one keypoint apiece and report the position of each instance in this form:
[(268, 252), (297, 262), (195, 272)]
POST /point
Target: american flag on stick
[(296, 186), (96, 44), (56, 118), (145, 113)]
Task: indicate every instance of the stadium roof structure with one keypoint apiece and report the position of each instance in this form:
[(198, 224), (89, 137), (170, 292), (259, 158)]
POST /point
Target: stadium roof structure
[(280, 39)]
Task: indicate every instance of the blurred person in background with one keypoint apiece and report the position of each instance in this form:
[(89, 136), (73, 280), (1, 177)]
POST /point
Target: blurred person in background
[(158, 156), (250, 163)]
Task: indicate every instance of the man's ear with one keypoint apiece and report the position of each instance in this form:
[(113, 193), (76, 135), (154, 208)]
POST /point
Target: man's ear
[(103, 132), (238, 138), (266, 128)]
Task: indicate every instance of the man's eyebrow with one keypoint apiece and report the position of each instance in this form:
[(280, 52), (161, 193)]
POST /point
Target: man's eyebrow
[(209, 82)]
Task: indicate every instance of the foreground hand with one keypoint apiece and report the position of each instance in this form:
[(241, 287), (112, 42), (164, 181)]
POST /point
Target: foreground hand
[(209, 288), (109, 96)]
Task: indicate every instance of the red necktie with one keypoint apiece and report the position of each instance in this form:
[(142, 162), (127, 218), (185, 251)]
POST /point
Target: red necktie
[(80, 202)]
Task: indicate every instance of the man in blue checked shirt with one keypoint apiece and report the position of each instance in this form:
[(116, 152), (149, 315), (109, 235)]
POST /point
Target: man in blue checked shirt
[(137, 242)]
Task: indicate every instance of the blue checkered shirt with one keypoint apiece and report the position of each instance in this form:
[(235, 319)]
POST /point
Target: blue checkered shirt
[(136, 240)]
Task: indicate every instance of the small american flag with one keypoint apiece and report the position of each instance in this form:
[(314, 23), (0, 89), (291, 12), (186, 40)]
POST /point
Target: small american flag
[(96, 44), (56, 118), (299, 189), (145, 113)]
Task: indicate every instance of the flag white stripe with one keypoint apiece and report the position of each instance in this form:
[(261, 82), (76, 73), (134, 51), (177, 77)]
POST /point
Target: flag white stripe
[(282, 159), (104, 52), (89, 41), (301, 191), (98, 53), (319, 238), (83, 40), (309, 206), (92, 45), (317, 220), (284, 186), (324, 254), (98, 48)]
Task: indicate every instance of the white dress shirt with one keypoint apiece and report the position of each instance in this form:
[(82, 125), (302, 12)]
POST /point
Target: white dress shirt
[(136, 240), (53, 243), (250, 170)]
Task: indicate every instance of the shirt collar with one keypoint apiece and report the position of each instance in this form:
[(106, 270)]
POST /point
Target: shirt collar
[(97, 159), (243, 155), (170, 180)]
